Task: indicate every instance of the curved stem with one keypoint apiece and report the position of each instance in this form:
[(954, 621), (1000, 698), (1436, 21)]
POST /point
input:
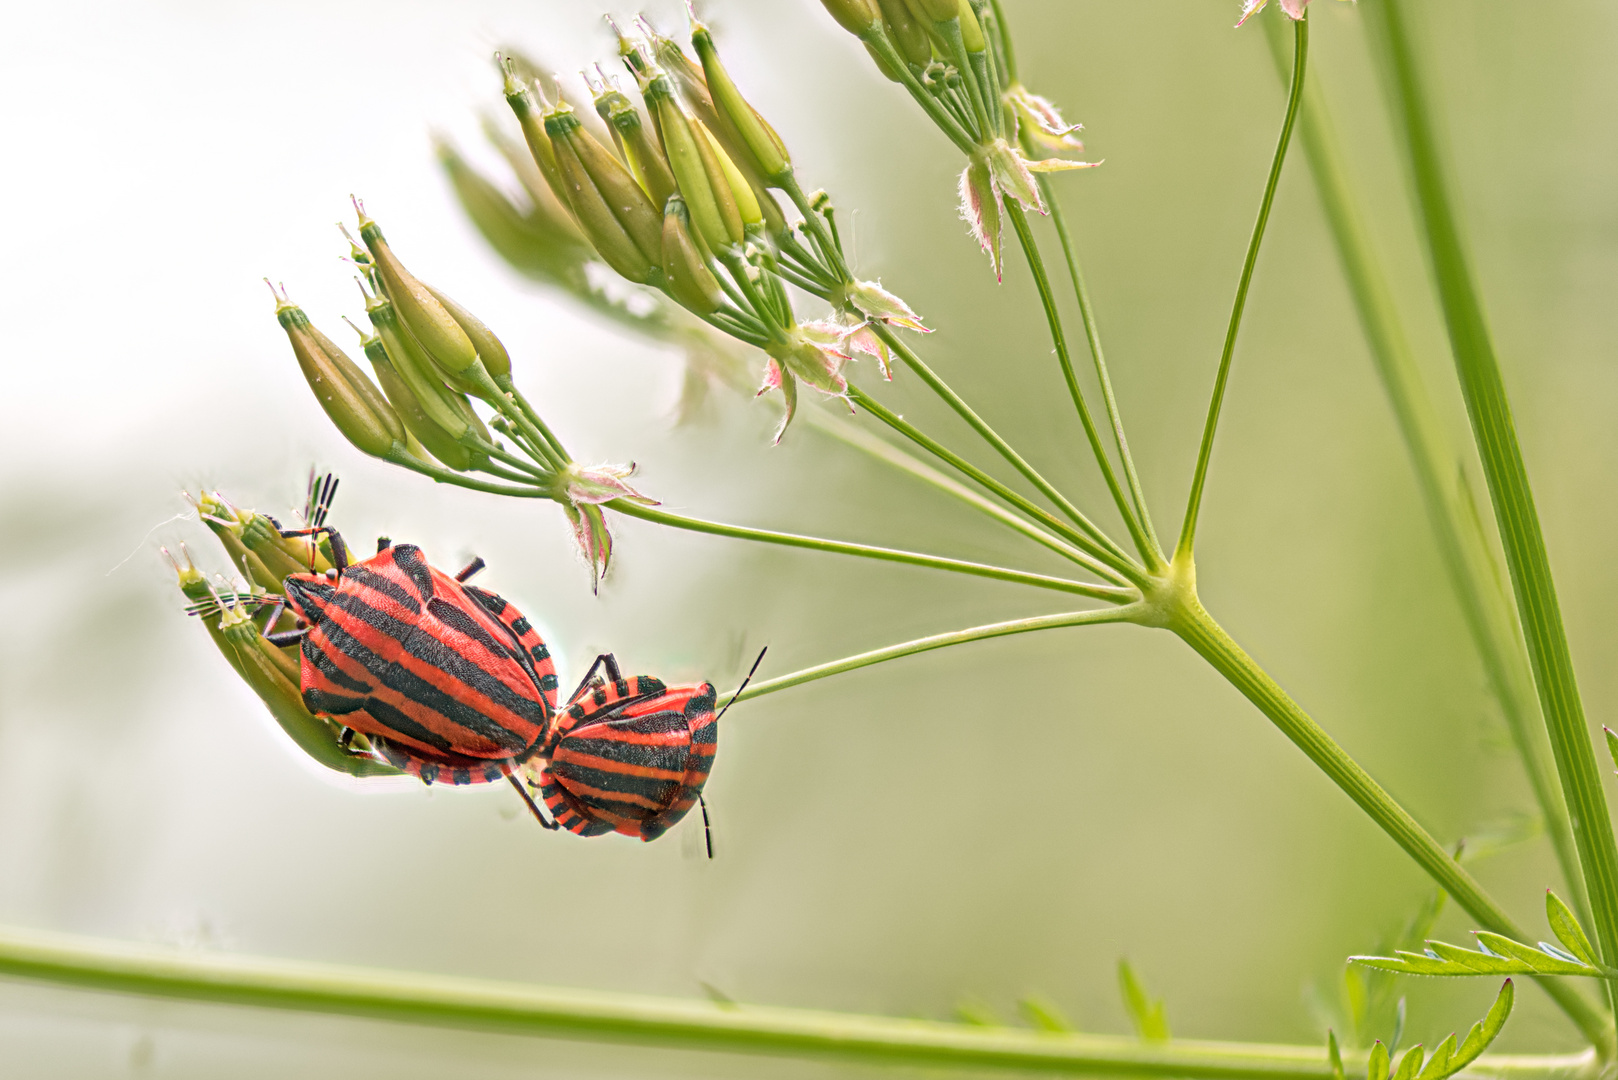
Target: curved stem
[(1300, 55), (940, 641), (884, 451), (1092, 334), (1093, 563), (675, 1023), (839, 547), (1036, 263), (990, 436), (1494, 431), (1473, 570), (399, 456), (1187, 618)]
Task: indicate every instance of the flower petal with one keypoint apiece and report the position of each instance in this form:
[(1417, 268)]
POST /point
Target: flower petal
[(980, 209), (1294, 8), (1251, 8), (875, 302), (789, 391), (864, 340), (1047, 123), (603, 483), (1009, 170)]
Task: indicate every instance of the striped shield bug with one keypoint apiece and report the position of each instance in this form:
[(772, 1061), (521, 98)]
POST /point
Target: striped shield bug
[(631, 755), (448, 681)]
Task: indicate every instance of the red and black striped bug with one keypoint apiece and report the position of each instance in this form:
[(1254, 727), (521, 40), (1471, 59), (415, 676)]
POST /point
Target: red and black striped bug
[(450, 682), (631, 755)]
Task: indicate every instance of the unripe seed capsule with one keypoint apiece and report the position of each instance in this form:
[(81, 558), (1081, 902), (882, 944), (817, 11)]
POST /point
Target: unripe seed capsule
[(688, 165), (971, 31), (624, 198), (496, 361), (937, 10), (440, 336), (684, 269), (747, 206), (591, 208), (354, 405), (642, 154), (751, 132), (414, 368), (907, 35), (855, 16), (434, 439), (718, 180), (882, 65), (530, 117)]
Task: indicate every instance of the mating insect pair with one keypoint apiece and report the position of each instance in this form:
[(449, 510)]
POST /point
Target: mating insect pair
[(452, 683)]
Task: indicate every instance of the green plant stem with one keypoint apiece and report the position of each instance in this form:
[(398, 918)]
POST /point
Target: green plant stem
[(884, 451), (1495, 434), (940, 641), (1473, 571), (1300, 56), (1109, 593), (1187, 618), (1008, 54), (448, 476), (674, 1023), (1093, 335), (877, 39), (1036, 263), (1095, 556), (938, 386)]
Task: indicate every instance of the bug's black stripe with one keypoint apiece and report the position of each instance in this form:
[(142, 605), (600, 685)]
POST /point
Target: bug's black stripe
[(407, 557), (408, 684), (328, 667), (540, 652), (655, 791), (420, 645), (493, 603), (455, 618), (460, 776), (319, 701), (389, 717), (427, 771), (386, 586), (520, 625)]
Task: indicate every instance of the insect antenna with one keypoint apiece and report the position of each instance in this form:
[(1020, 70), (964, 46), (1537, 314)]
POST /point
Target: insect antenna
[(732, 701), (707, 830)]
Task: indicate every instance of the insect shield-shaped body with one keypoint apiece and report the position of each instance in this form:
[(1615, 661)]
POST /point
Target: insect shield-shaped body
[(629, 755), (449, 681)]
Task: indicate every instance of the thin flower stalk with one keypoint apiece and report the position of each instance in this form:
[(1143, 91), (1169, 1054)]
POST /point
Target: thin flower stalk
[(1511, 495), (1300, 56)]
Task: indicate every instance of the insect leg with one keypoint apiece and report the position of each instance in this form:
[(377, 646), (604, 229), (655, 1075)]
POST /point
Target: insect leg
[(339, 550), (285, 637), (605, 660), (471, 568), (529, 799)]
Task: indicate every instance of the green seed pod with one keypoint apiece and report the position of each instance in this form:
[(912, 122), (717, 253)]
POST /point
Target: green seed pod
[(356, 406), (937, 10), (255, 660), (434, 439), (530, 113), (281, 555), (251, 566), (591, 207), (414, 368), (749, 131), (642, 154), (858, 17), (747, 205), (439, 335), (623, 196), (535, 243), (971, 31), (496, 361), (907, 35), (684, 269), (882, 65), (688, 163), (718, 180)]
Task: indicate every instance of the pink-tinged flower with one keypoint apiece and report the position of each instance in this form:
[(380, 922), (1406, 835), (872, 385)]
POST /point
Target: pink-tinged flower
[(1045, 122), (1293, 9), (585, 489), (813, 353), (779, 378), (999, 170), (864, 340), (879, 305)]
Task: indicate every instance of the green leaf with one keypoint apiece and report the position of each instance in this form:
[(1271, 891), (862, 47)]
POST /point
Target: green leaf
[(1483, 1032), (1043, 1015), (1437, 1066), (1612, 745), (1377, 1067), (976, 1013), (1151, 1023), (1409, 1064), (1498, 956), (1334, 1055), (1567, 929)]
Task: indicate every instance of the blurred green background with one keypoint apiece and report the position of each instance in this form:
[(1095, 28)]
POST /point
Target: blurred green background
[(981, 823)]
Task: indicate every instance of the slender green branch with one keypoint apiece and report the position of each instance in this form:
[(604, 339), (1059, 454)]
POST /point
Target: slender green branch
[(675, 1023), (1094, 564), (938, 386), (939, 641), (1495, 434), (447, 476), (1008, 54), (1300, 55), (1473, 571), (862, 440), (1036, 263), (1093, 334), (877, 39), (1109, 593), (1187, 618)]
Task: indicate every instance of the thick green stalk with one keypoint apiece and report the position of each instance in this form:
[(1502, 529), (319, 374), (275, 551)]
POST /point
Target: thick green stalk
[(1182, 613), (1496, 437), (1001, 447), (673, 1023), (1109, 593), (1108, 569), (1300, 57), (1053, 316), (886, 452), (939, 641), (1473, 572)]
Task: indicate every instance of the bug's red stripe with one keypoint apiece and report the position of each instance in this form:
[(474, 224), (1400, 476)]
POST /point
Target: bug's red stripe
[(527, 638)]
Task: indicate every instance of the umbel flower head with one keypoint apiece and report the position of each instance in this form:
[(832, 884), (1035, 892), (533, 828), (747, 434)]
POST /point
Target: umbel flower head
[(998, 170), (584, 489)]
